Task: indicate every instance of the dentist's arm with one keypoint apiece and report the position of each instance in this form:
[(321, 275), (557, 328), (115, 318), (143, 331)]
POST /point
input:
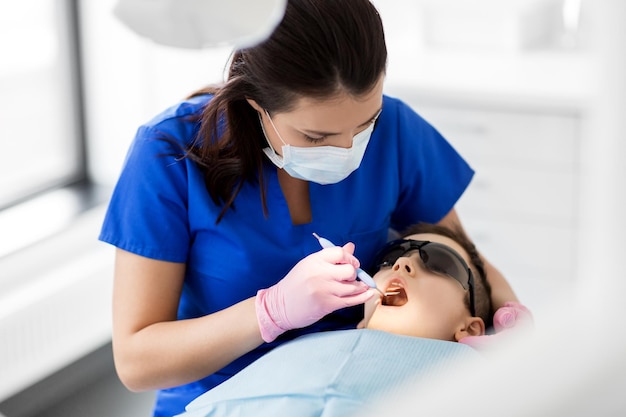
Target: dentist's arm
[(153, 350)]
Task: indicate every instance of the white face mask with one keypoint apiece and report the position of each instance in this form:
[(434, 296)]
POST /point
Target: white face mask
[(319, 164)]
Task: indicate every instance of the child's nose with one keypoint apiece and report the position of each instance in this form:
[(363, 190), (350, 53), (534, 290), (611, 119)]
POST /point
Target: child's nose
[(405, 264)]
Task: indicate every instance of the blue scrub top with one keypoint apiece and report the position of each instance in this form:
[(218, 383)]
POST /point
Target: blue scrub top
[(160, 209)]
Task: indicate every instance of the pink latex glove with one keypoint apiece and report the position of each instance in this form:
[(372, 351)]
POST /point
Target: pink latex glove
[(319, 284), (510, 316)]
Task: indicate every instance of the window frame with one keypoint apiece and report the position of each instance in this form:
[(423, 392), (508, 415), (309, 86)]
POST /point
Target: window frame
[(52, 206)]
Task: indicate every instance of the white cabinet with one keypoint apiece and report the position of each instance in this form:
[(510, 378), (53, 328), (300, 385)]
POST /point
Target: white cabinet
[(516, 115), (521, 208)]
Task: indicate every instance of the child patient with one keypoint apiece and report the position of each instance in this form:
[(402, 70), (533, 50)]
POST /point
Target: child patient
[(435, 286), (431, 293)]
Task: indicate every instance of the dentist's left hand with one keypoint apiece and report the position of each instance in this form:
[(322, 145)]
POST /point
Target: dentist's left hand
[(513, 317), (319, 284)]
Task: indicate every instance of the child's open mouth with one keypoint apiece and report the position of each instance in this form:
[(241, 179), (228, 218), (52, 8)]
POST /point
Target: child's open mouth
[(395, 295)]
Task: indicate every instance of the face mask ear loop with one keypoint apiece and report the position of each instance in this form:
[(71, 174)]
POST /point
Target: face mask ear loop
[(275, 130)]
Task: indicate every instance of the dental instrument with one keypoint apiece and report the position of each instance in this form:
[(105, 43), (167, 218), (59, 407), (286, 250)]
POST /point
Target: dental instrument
[(361, 274)]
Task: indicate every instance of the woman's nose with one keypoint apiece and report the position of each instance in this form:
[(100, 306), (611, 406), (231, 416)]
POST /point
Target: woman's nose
[(344, 142), (404, 264)]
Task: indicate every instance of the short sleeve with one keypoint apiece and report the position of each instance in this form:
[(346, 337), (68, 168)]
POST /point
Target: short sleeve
[(147, 214)]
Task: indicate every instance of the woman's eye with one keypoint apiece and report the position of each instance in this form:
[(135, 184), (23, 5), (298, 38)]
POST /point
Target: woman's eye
[(319, 139)]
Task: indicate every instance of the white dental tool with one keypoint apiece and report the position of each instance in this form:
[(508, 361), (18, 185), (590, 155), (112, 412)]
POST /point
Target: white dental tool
[(361, 274)]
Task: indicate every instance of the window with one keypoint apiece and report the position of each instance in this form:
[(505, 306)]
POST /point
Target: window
[(40, 116)]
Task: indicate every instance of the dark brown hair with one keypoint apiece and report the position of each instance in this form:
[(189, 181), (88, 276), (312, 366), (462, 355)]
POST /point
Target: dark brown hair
[(482, 289), (320, 49)]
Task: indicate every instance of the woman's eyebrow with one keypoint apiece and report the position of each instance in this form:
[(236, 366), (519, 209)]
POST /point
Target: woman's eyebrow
[(319, 133)]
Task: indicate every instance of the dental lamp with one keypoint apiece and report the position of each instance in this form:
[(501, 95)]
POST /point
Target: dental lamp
[(198, 24)]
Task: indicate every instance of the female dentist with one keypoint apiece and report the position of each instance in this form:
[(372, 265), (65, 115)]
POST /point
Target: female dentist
[(215, 207)]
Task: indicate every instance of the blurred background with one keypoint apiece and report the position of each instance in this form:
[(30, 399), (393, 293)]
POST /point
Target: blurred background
[(530, 92)]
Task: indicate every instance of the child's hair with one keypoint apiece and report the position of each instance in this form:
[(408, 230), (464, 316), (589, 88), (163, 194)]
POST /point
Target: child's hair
[(482, 289)]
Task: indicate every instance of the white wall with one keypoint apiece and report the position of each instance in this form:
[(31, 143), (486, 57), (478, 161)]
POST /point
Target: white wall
[(604, 176), (130, 79), (574, 363)]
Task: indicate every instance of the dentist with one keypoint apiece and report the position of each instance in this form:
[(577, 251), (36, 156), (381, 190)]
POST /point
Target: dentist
[(215, 207)]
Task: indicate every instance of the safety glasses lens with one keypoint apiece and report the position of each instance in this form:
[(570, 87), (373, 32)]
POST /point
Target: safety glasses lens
[(390, 256), (440, 260), (436, 257)]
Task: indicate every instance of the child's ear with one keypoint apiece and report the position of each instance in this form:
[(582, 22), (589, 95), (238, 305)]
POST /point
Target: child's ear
[(473, 326)]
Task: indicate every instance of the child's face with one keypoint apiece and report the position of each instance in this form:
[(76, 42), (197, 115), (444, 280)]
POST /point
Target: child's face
[(429, 305)]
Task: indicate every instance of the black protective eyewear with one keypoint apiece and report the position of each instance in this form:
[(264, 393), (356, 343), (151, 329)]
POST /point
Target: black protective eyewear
[(436, 257)]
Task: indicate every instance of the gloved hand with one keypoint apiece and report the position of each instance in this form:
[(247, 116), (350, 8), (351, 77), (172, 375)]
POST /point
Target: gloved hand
[(512, 315), (319, 284)]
